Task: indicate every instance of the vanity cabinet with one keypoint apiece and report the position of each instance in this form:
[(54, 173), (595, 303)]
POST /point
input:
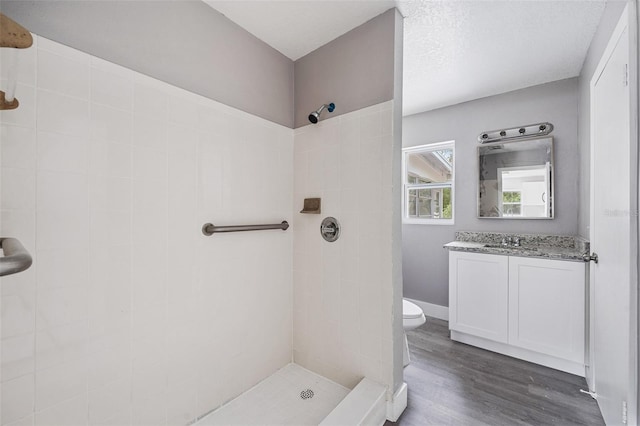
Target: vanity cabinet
[(528, 308)]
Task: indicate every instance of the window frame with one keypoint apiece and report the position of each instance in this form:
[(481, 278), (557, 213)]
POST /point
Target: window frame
[(437, 146)]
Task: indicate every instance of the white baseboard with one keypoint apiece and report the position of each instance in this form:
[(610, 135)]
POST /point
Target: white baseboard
[(396, 406), (431, 310)]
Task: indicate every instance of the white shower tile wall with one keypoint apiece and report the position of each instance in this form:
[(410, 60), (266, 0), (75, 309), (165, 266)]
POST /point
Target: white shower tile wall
[(129, 314), (343, 290)]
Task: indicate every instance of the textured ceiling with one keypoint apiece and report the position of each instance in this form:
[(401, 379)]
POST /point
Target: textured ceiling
[(454, 51)]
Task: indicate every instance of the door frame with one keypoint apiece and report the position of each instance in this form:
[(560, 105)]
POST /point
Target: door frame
[(634, 87), (628, 19)]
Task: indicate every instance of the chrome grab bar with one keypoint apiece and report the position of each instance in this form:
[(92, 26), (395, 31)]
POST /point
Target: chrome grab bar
[(209, 229), (16, 257)]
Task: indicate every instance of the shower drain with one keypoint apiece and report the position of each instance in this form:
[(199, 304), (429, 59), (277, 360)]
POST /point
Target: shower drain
[(306, 394)]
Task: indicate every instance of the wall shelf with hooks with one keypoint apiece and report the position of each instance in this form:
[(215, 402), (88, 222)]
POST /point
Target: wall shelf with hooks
[(13, 36)]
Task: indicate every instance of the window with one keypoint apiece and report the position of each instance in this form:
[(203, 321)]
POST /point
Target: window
[(511, 203), (428, 176)]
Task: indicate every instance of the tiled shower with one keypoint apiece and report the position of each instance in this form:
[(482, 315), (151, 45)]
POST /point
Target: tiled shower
[(342, 313), (129, 314)]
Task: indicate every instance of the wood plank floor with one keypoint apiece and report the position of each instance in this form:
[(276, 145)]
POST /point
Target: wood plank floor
[(451, 383)]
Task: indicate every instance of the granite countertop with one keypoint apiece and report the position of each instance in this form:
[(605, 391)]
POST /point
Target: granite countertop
[(556, 247)]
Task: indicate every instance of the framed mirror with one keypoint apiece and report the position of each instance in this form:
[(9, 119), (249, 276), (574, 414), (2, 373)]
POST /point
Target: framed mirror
[(515, 179)]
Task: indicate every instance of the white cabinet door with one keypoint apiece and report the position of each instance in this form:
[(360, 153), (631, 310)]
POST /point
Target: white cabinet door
[(478, 294), (547, 306)]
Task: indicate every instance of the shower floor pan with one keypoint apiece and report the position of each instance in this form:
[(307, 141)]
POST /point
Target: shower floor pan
[(295, 396)]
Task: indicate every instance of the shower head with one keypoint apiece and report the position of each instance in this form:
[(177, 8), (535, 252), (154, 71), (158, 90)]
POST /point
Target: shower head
[(315, 115)]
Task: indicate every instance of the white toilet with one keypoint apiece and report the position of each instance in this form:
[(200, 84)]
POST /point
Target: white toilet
[(412, 317)]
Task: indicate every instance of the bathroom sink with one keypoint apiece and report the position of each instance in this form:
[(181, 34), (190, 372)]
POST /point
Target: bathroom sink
[(500, 246)]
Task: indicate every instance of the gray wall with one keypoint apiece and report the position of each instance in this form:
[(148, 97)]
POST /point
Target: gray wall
[(185, 43), (609, 20), (425, 262), (354, 71)]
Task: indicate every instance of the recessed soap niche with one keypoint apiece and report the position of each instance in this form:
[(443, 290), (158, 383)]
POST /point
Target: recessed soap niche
[(311, 206)]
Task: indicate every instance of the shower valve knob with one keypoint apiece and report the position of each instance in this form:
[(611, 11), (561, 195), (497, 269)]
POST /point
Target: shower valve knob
[(330, 229)]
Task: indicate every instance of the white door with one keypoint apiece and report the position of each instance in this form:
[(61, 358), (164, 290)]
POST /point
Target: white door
[(610, 228), (533, 199)]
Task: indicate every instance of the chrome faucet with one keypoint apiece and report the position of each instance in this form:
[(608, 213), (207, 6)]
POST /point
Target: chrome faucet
[(510, 241)]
